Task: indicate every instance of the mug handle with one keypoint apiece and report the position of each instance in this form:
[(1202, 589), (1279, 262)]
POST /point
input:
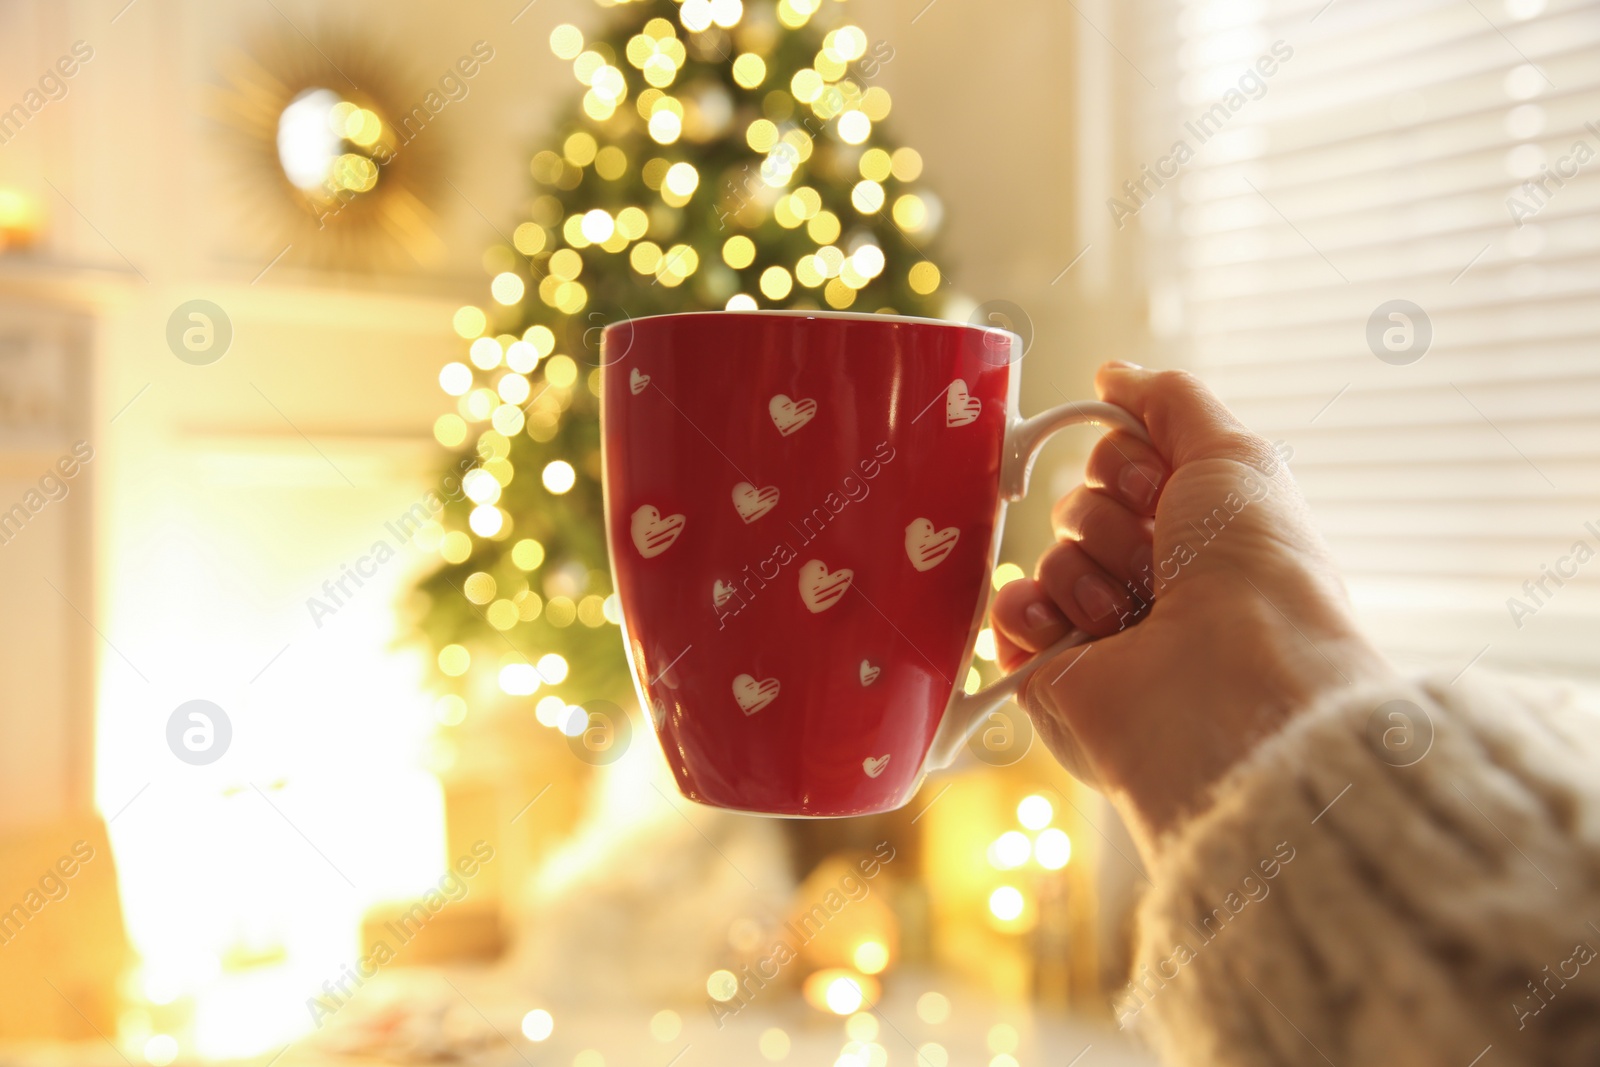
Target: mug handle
[(1024, 437)]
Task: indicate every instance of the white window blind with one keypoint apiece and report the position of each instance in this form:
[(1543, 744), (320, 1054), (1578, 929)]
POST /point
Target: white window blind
[(1388, 157)]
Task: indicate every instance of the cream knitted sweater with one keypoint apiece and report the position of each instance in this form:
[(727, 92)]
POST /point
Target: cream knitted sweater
[(1385, 883)]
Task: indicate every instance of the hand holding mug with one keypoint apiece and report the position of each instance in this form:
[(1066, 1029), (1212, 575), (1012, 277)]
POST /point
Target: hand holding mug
[(1217, 609)]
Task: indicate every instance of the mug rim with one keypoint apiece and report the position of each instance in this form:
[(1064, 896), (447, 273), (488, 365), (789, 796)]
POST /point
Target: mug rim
[(842, 316)]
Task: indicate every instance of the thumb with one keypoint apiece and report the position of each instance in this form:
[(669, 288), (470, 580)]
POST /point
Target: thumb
[(1185, 419)]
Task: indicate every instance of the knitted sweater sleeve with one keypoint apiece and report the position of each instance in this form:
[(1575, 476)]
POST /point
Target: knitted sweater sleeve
[(1398, 877)]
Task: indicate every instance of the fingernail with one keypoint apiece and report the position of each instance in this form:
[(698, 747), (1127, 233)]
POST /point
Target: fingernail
[(1094, 596), (1124, 364), (1041, 616), (1139, 484)]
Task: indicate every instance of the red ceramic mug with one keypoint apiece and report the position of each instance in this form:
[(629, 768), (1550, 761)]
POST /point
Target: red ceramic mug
[(803, 511)]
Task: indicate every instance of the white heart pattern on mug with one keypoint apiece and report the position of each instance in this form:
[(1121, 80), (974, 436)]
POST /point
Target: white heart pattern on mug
[(721, 593), (821, 588), (789, 415), (653, 534), (874, 765), (960, 408), (928, 547), (637, 382), (869, 673), (753, 695), (752, 503)]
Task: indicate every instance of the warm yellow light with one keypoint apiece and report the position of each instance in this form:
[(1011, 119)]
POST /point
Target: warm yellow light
[(665, 1025), (527, 554), (774, 1044), (566, 41), (538, 1025), (632, 223), (849, 43), (485, 353), (761, 135), (871, 957), (738, 251), (519, 679), (862, 1026), (541, 338), (924, 278), (611, 609), (558, 476), (561, 371), (521, 356), (513, 388), (874, 165), (645, 257), (454, 660), (560, 612), (974, 680), (682, 179), (479, 587), (449, 430), (1006, 903), (1005, 574), (875, 103), (502, 614), (507, 288), (160, 1050), (1010, 850), (469, 322), (552, 669), (480, 486), (550, 711), (776, 283), (838, 293), (854, 127), (749, 70), (805, 85), (486, 520), (910, 213), (1035, 812), (579, 149), (823, 228), (665, 127), (611, 163), (843, 995), (1053, 849), (932, 1054), (984, 647), (741, 302), (681, 261), (529, 238), (572, 230), (722, 985), (726, 13), (933, 1007), (906, 164), (455, 547), (455, 378), (808, 273), (867, 197), (598, 225)]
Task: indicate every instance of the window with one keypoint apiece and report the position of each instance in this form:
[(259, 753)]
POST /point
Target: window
[(1374, 226)]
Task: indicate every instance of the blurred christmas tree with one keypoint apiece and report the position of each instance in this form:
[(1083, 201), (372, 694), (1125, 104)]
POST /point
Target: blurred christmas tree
[(722, 156)]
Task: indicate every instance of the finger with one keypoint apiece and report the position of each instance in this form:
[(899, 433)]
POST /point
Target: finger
[(1008, 655), (1026, 621), (1185, 419), (1130, 469), (1111, 534), (1097, 603)]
